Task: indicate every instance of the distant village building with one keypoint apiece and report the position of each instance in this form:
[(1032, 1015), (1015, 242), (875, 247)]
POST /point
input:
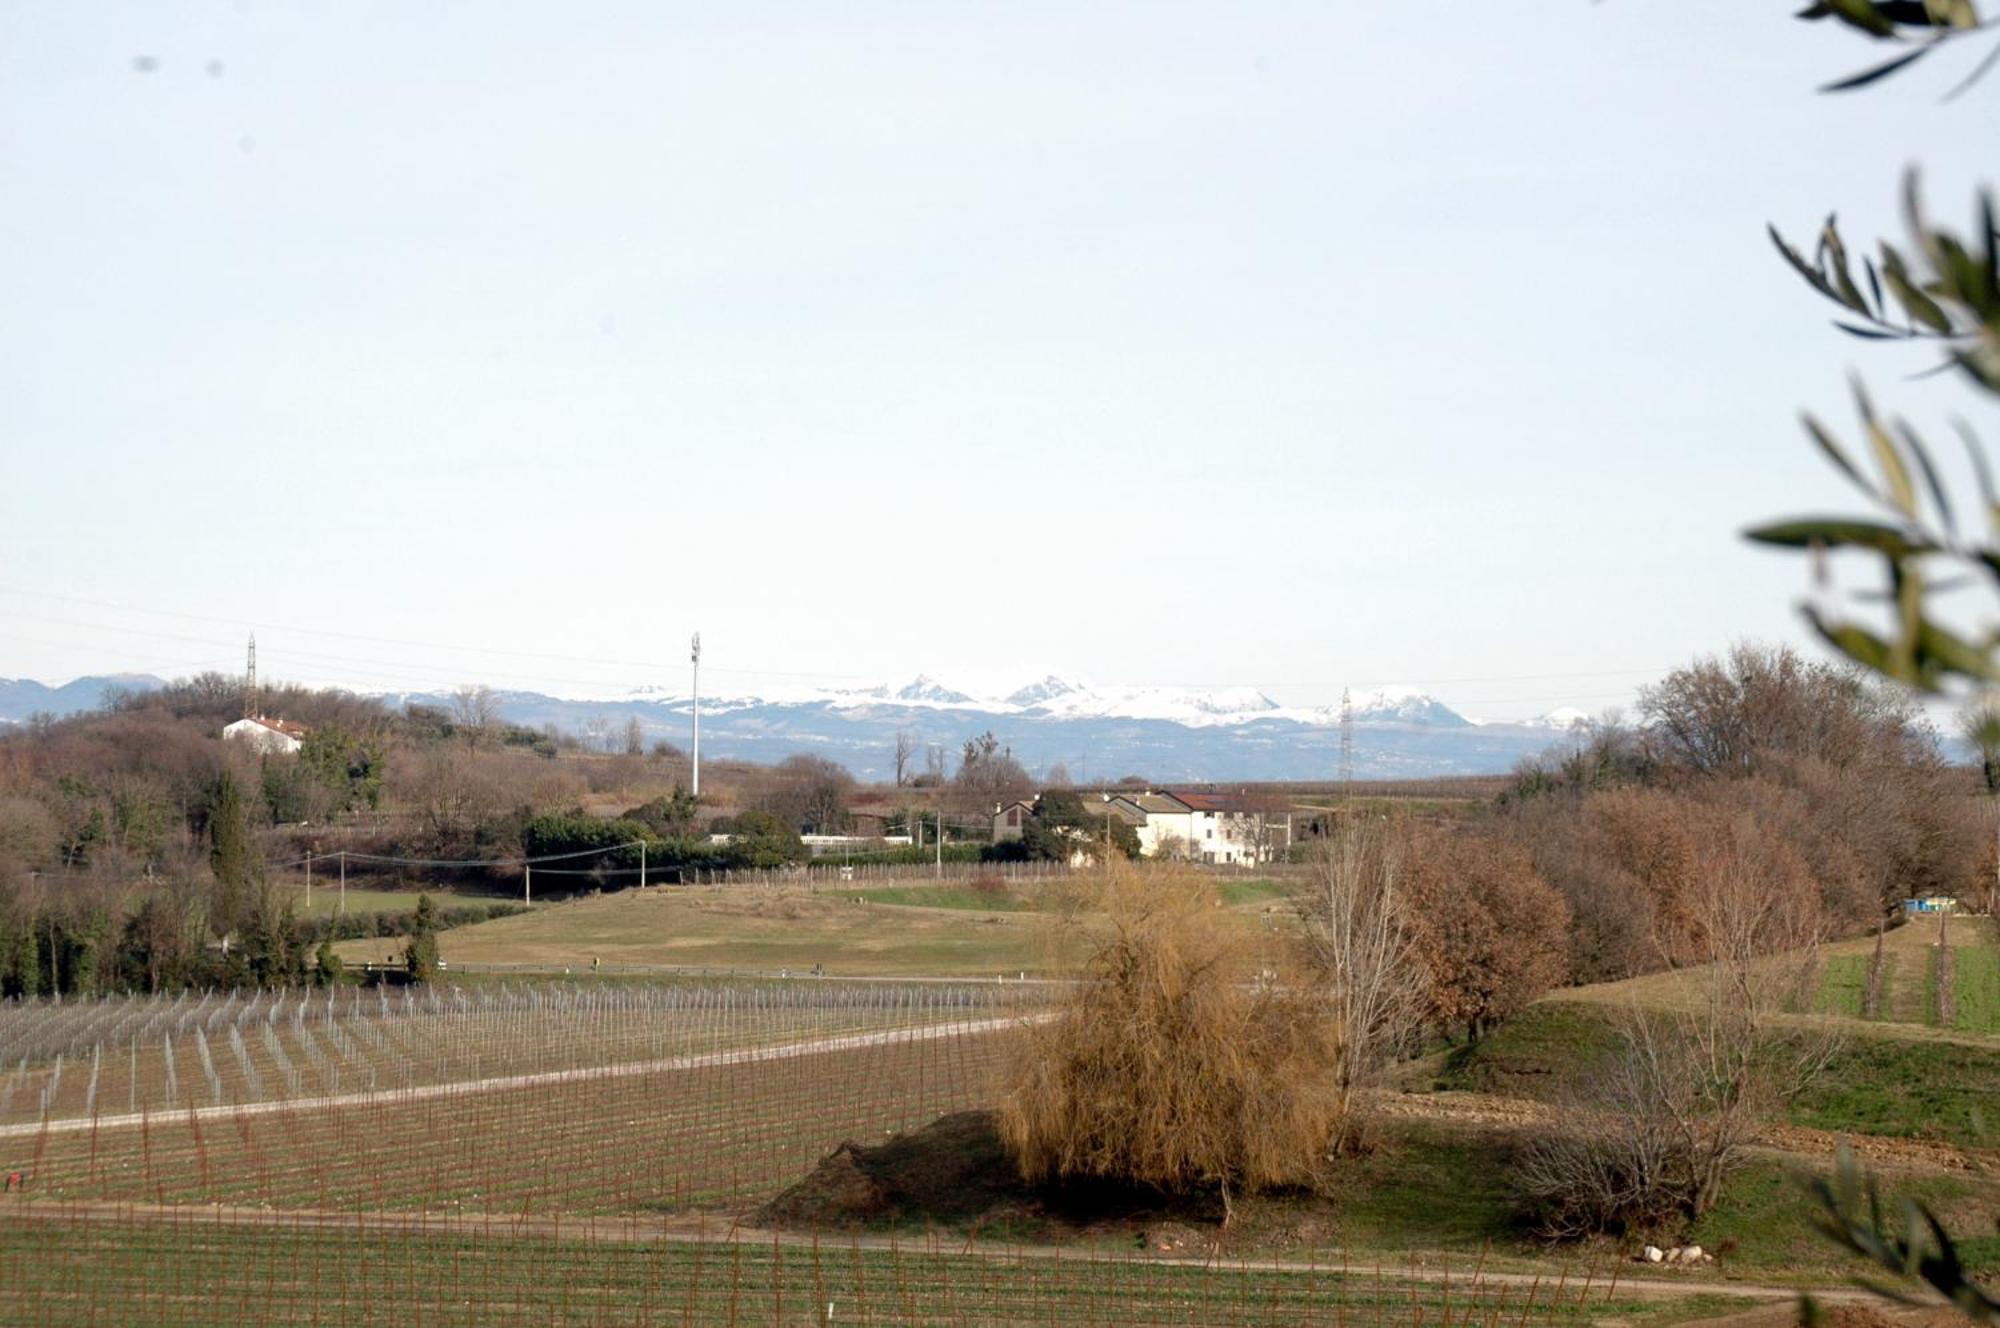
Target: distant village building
[(268, 736), (1009, 819), (1215, 828), (822, 845)]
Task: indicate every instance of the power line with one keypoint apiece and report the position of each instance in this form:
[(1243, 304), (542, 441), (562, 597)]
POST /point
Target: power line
[(390, 860)]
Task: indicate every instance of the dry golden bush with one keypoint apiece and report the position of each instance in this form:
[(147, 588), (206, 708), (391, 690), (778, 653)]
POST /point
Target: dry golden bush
[(1173, 1062)]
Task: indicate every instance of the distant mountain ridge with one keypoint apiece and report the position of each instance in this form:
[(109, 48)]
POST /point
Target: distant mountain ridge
[(1160, 732), (21, 698)]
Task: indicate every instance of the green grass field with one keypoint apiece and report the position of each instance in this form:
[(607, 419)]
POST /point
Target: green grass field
[(1903, 1087), (1978, 988), (327, 900), (1843, 986), (970, 898), (749, 931)]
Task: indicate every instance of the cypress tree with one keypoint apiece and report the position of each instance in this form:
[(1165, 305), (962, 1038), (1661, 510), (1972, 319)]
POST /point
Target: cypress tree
[(229, 855), (422, 955)]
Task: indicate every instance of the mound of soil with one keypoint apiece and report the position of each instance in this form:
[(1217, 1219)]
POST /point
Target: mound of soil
[(956, 1172)]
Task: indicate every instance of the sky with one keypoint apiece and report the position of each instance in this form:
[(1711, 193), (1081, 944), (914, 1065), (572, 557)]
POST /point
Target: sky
[(1294, 346)]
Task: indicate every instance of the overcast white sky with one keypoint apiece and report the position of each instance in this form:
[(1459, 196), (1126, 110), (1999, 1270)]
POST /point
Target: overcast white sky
[(1294, 345)]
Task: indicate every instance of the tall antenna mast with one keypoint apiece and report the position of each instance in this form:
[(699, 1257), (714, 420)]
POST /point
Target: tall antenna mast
[(250, 681), (1346, 743), (694, 653)]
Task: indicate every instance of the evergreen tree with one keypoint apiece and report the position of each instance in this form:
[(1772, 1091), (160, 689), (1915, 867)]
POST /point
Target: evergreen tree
[(422, 955), (23, 976), (327, 967), (230, 856)]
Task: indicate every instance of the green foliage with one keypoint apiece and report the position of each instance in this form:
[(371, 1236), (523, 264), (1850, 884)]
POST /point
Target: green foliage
[(230, 855), (347, 764), (608, 843), (159, 946), (21, 965), (327, 966), (271, 950), (144, 824), (421, 956), (400, 922), (759, 840), (669, 817), (1919, 1249), (1059, 826), (80, 821), (1944, 291), (1918, 27), (293, 793)]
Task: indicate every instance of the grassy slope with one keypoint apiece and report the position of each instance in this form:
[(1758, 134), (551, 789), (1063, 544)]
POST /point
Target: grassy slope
[(1907, 1087), (754, 930), (326, 898), (900, 931)]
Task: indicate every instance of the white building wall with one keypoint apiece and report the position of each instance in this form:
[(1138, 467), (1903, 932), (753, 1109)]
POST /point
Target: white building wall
[(262, 737)]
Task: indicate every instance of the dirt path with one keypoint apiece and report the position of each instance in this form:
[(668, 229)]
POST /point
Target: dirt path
[(1419, 1267), (629, 1069)]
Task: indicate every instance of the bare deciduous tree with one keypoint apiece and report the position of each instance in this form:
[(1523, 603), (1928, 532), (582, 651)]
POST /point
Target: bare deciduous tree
[(1359, 941), (811, 793), (475, 712), (906, 751), (1654, 1131), (635, 737)]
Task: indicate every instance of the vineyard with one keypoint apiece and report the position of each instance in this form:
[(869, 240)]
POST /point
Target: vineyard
[(200, 1268), (552, 1153), (1943, 974), (556, 1154), (526, 1100)]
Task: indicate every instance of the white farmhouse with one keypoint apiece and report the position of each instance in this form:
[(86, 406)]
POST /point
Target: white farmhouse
[(1207, 827), (270, 737)]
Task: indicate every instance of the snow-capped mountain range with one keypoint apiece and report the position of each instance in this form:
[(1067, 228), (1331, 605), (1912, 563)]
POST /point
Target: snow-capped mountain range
[(1055, 697), (1161, 732)]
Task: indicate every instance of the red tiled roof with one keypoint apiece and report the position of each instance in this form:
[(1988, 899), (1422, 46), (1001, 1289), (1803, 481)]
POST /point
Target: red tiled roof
[(1210, 802)]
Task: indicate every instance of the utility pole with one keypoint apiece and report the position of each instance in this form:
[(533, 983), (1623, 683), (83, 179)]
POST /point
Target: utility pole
[(250, 681), (694, 652), (1346, 744), (642, 864), (309, 881), (343, 882), (527, 882), (940, 841)]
